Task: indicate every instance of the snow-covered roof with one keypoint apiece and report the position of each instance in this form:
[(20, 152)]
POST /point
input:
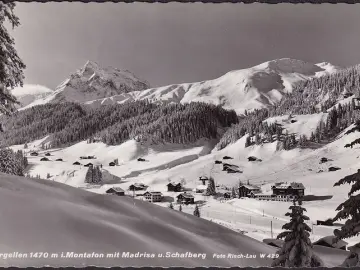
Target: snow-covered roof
[(287, 185), (186, 195), (153, 192), (201, 187), (329, 240), (174, 183), (116, 189)]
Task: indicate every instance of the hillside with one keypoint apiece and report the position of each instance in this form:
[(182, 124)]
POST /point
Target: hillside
[(247, 89), (93, 82), (73, 220)]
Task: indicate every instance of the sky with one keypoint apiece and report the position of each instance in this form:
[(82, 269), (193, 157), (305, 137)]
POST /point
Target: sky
[(177, 43)]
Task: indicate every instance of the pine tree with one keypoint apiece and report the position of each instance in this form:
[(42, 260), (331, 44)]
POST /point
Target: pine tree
[(297, 248), (89, 175), (11, 66), (248, 141), (349, 211), (196, 211), (25, 146), (211, 190), (180, 208), (171, 206)]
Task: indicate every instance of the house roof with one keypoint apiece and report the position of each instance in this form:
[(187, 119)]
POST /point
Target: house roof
[(204, 177), (288, 185), (186, 195), (116, 189), (153, 192), (250, 187), (276, 242), (173, 184), (329, 240)]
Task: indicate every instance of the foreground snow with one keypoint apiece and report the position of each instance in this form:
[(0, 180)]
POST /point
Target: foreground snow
[(61, 220)]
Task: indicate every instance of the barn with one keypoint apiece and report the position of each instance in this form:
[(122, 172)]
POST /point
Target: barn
[(246, 190), (48, 154), (112, 164), (185, 198), (59, 159), (76, 163), (174, 187), (34, 154), (44, 159), (327, 241), (116, 191), (137, 186)]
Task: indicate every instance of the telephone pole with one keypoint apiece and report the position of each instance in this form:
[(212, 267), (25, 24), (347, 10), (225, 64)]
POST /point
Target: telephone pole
[(271, 229)]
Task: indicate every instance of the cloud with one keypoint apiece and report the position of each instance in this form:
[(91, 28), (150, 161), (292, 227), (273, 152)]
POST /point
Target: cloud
[(30, 89)]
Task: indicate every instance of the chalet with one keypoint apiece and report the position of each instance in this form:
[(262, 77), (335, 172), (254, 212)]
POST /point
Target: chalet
[(34, 154), (200, 189), (248, 190), (59, 159), (137, 186), (185, 198), (112, 164), (227, 157), (153, 196), (218, 161), (323, 160), (288, 189), (333, 169), (47, 154), (140, 159), (233, 170), (328, 241), (44, 159), (88, 165), (175, 187), (76, 163), (203, 179), (226, 166), (328, 222), (278, 243), (116, 191)]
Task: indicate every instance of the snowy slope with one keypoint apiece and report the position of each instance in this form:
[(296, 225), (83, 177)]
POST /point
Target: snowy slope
[(251, 88), (94, 82), (50, 217), (29, 93)]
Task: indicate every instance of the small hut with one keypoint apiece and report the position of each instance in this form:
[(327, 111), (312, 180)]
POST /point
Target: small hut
[(76, 163)]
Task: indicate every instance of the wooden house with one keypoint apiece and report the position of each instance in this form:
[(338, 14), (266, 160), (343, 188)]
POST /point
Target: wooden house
[(200, 189), (227, 195), (248, 190), (116, 191), (112, 164), (44, 159), (323, 160), (59, 159), (233, 170), (88, 165), (175, 187), (218, 161), (140, 159), (185, 198), (76, 163), (153, 196), (278, 243), (252, 158), (227, 157), (328, 241), (288, 189), (227, 166), (137, 186), (48, 154), (34, 154), (333, 169)]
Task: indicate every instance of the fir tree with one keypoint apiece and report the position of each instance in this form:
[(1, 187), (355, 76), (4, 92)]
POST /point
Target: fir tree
[(48, 176), (211, 190), (196, 211), (89, 175), (297, 248), (11, 66), (248, 141), (171, 206), (349, 211), (180, 208), (233, 192)]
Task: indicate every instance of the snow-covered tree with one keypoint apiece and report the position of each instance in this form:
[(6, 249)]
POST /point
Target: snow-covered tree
[(233, 192), (11, 66), (97, 175), (89, 175), (196, 211), (211, 187), (349, 211), (171, 206), (297, 248)]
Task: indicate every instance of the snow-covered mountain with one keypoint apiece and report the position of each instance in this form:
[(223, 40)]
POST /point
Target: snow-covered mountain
[(245, 89), (94, 82), (30, 93)]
